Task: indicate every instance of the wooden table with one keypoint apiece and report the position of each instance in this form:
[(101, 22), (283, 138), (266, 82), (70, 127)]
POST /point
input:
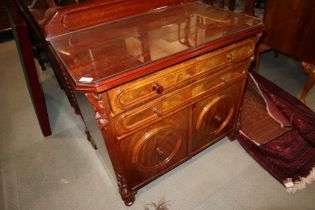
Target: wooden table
[(5, 28), (156, 81), (21, 36)]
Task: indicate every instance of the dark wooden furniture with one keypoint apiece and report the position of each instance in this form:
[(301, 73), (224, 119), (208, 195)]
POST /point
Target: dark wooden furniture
[(249, 5), (156, 81), (25, 51), (221, 3), (36, 13), (290, 30), (5, 28)]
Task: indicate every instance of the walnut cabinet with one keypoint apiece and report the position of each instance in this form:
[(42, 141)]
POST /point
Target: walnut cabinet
[(156, 82), (158, 121)]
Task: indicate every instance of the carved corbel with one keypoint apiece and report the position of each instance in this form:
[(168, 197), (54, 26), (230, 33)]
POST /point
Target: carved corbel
[(99, 109)]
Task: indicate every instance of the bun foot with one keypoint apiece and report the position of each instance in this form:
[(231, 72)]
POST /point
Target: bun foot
[(129, 199), (126, 194)]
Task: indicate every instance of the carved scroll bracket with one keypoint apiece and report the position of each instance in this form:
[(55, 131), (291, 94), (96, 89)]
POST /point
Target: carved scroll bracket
[(99, 109)]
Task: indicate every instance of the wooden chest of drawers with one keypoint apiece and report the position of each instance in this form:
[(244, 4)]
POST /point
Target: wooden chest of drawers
[(157, 88)]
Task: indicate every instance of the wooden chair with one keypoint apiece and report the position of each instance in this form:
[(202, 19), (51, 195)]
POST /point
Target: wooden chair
[(290, 30)]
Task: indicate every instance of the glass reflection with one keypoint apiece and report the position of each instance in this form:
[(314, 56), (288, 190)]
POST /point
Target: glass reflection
[(110, 49)]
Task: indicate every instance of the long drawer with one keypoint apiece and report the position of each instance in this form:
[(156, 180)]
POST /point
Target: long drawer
[(142, 90), (129, 121)]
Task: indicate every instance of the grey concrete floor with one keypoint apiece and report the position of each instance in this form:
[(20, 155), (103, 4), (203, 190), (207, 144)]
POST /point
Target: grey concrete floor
[(63, 172)]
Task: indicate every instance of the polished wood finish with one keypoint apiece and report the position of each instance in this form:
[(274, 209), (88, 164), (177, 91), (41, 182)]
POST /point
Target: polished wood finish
[(145, 140), (70, 19), (108, 51), (139, 88), (290, 30), (152, 111), (19, 27), (151, 151), (139, 91), (156, 87), (215, 116)]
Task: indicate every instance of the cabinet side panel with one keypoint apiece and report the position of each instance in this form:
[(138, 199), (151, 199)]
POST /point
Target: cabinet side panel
[(95, 133)]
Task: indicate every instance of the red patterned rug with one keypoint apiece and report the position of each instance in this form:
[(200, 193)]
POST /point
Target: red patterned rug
[(282, 136)]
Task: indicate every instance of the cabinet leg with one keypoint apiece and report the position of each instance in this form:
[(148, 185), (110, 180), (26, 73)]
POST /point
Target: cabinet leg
[(310, 71), (128, 198), (232, 135), (126, 194)]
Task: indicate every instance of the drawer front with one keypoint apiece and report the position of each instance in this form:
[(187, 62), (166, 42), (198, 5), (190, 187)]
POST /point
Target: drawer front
[(225, 57), (155, 149), (150, 112), (149, 87), (136, 92)]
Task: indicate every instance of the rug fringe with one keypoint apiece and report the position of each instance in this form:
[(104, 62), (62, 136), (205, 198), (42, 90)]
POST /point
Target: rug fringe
[(301, 184)]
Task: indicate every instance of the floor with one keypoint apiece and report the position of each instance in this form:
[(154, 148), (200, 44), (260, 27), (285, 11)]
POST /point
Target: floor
[(63, 172)]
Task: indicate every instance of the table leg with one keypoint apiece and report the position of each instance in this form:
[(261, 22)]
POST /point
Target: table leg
[(231, 5), (249, 7), (221, 3), (310, 71), (24, 48)]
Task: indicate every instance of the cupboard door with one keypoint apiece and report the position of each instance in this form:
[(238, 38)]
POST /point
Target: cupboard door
[(215, 116), (155, 149)]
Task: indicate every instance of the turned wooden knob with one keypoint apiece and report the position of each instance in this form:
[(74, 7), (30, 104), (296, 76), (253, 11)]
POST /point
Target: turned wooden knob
[(230, 57), (222, 79), (159, 151), (157, 111), (218, 118), (157, 88)]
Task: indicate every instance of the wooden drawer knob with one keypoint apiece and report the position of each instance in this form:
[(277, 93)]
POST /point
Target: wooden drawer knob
[(159, 151), (157, 88), (229, 57), (156, 111), (218, 118), (223, 79)]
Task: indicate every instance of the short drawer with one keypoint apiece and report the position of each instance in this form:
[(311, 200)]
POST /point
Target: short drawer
[(144, 89), (138, 91), (173, 101), (225, 57)]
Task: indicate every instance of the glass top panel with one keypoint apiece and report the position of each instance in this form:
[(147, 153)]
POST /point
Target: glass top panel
[(107, 50)]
